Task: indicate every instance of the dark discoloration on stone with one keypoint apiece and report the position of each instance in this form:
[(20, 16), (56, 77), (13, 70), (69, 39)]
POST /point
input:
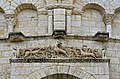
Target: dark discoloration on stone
[(57, 60)]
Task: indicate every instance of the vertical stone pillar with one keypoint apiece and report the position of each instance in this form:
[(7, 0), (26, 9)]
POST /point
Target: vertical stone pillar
[(50, 21), (69, 12), (11, 21), (108, 20), (59, 19)]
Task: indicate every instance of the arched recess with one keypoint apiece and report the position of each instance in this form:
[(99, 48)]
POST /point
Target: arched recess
[(94, 6), (27, 19), (3, 28), (60, 76), (92, 19), (48, 71), (116, 24)]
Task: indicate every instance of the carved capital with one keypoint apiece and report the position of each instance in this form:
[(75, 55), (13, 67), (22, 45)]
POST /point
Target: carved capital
[(10, 19), (108, 19)]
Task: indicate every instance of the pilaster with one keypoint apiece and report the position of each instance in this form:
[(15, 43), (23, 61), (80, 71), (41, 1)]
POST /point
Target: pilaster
[(108, 20)]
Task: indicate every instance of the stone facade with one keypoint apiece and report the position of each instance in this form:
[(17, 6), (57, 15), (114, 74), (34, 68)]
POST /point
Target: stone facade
[(31, 24)]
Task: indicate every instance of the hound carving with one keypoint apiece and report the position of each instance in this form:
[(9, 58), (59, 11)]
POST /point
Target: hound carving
[(84, 52), (58, 49)]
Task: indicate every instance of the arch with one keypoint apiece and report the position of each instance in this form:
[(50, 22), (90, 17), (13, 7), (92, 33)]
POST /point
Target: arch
[(27, 19), (117, 10), (60, 69), (24, 7), (116, 23), (60, 76), (1, 10), (95, 7), (92, 22)]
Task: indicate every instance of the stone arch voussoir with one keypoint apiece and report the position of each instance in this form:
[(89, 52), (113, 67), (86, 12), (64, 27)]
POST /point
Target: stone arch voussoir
[(94, 6), (24, 7), (61, 69), (117, 10)]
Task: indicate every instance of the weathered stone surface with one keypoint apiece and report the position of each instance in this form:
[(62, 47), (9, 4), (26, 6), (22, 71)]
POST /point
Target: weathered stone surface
[(41, 70), (80, 20)]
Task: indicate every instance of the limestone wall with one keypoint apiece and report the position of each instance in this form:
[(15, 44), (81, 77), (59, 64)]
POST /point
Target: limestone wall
[(85, 18), (39, 70)]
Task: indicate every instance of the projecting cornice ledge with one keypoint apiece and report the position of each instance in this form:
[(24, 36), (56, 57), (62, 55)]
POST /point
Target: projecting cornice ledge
[(30, 60), (68, 7), (19, 37)]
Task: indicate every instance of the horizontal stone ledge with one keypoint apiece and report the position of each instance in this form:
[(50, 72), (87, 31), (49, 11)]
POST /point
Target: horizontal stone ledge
[(69, 36), (31, 60)]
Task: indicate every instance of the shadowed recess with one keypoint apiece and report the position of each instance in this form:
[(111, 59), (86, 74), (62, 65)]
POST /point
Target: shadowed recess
[(60, 76), (95, 7), (24, 7), (1, 10)]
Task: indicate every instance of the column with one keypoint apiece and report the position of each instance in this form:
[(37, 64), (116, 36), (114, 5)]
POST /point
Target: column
[(108, 20), (69, 12), (50, 22), (59, 19), (11, 21)]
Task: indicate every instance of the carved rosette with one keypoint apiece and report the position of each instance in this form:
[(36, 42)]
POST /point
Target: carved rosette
[(61, 52)]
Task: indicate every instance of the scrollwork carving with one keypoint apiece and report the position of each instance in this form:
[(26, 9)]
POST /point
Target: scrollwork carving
[(58, 51)]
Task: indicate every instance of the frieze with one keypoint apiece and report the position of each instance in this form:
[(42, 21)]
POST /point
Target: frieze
[(59, 51)]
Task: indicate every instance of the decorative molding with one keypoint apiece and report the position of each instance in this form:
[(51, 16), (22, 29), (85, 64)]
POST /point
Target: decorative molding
[(68, 7), (10, 18), (58, 51), (108, 19), (31, 60)]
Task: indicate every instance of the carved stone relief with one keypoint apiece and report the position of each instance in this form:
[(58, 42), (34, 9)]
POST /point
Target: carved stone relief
[(58, 51)]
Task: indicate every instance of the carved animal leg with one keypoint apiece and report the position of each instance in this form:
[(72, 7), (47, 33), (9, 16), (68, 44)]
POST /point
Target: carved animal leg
[(27, 54)]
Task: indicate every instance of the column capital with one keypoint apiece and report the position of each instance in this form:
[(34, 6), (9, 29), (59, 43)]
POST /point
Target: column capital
[(108, 19), (10, 19)]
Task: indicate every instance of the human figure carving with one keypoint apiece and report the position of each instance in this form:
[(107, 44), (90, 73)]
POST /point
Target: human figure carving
[(58, 49), (104, 49), (14, 52)]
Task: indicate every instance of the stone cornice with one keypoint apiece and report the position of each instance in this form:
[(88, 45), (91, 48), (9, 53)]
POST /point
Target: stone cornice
[(68, 7), (18, 60)]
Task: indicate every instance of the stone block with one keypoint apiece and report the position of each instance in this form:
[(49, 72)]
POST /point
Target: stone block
[(77, 72), (63, 69), (114, 60), (42, 73), (59, 11), (101, 70), (72, 70), (87, 76), (59, 18), (59, 25)]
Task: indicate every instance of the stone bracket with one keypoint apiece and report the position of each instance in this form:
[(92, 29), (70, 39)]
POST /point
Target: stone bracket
[(16, 37), (59, 34), (101, 36)]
